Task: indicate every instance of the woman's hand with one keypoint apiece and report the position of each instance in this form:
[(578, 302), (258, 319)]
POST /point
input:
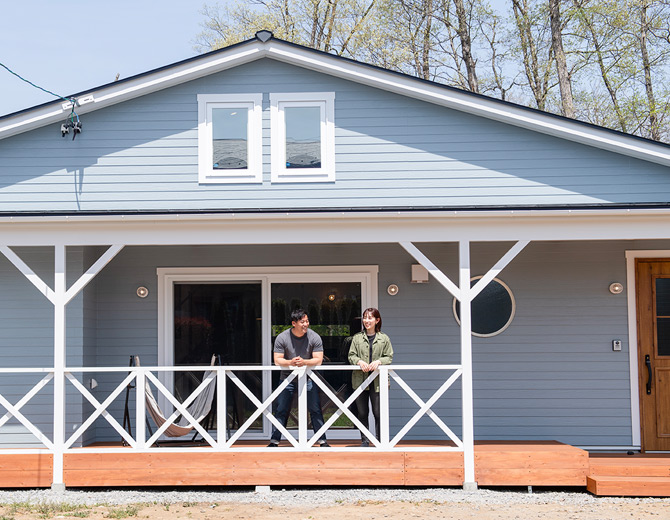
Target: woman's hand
[(364, 366), (374, 366)]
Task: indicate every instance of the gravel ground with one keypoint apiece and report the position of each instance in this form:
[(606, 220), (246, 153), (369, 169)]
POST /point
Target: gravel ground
[(313, 497)]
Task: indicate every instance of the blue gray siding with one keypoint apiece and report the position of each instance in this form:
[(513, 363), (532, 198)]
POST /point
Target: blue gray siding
[(551, 375), (391, 151)]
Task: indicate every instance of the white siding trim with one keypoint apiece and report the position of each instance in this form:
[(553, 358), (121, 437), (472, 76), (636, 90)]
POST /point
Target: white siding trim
[(335, 228), (326, 102), (477, 105), (631, 256), (254, 171), (349, 70)]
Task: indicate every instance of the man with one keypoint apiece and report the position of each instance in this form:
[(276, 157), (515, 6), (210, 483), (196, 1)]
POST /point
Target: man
[(297, 347)]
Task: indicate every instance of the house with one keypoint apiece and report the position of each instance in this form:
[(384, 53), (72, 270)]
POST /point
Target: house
[(204, 200)]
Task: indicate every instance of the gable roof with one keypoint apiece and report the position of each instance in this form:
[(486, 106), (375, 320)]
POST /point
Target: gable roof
[(265, 45)]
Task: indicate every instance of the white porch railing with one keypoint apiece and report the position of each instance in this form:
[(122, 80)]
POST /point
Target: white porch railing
[(223, 376), (226, 440)]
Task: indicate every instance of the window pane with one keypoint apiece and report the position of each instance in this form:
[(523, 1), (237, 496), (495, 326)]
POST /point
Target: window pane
[(223, 319), (662, 296), (229, 133), (303, 137), (663, 336), (491, 309)]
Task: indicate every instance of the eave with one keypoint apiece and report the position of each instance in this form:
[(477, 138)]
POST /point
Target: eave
[(251, 50)]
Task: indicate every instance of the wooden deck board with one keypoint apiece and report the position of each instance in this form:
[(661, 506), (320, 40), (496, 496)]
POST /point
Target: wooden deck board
[(26, 470), (542, 463)]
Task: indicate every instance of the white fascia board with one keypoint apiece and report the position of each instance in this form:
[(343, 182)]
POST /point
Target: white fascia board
[(349, 70), (123, 91), (472, 104), (328, 228)]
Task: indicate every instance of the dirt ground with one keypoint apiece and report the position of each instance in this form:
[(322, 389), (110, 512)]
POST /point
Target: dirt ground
[(632, 509)]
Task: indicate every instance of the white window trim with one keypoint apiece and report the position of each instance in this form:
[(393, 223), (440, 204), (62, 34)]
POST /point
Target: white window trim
[(366, 275), (254, 171), (324, 100)]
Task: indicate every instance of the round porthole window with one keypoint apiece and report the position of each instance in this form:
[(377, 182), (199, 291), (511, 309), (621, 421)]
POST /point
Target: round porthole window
[(492, 309)]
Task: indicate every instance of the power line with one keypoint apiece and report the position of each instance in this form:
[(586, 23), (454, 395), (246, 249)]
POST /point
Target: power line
[(71, 100)]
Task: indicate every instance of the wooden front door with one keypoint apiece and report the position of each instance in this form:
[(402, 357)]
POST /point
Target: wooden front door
[(653, 307)]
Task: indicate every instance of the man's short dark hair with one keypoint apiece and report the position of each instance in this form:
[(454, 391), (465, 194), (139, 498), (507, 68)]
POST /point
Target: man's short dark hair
[(298, 314)]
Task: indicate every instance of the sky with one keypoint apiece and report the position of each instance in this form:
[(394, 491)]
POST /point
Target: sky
[(69, 46)]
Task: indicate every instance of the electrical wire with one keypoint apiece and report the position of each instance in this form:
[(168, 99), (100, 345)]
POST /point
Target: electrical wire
[(72, 121), (71, 100)]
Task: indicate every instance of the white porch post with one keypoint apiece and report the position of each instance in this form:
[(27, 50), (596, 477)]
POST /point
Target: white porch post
[(469, 482), (59, 367), (60, 297)]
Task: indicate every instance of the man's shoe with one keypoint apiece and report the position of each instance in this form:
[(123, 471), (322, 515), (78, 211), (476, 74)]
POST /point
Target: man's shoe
[(324, 444), (273, 445), (365, 443)]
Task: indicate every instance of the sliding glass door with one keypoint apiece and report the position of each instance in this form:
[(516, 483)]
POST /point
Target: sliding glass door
[(224, 320), (236, 314)]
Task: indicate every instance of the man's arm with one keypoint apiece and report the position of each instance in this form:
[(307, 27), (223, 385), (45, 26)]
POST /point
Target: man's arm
[(317, 359), (280, 360)]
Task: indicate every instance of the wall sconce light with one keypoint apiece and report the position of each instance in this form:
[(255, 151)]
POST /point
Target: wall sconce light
[(392, 289), (616, 288), (419, 274), (331, 297), (142, 291)]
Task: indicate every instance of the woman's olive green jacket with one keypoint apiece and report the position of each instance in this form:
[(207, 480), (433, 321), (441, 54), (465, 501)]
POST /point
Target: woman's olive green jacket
[(360, 349)]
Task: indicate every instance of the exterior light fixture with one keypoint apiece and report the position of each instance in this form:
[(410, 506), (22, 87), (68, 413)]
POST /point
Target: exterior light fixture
[(142, 291), (392, 289), (616, 288), (331, 297)]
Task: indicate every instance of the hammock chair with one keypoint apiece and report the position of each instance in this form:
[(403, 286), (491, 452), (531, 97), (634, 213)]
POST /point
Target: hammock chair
[(199, 409)]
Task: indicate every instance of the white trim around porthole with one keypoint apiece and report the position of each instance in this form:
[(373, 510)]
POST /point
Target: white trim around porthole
[(511, 316)]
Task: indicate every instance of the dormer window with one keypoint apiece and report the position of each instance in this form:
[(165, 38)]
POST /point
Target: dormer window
[(303, 137), (229, 138)]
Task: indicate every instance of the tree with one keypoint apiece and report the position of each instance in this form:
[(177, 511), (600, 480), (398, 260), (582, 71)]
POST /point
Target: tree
[(561, 63), (600, 61), (533, 42)]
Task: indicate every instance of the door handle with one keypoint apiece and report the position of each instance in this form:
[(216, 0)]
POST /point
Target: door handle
[(647, 362)]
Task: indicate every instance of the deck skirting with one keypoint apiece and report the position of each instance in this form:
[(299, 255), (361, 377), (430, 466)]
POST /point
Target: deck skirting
[(497, 463), (520, 463)]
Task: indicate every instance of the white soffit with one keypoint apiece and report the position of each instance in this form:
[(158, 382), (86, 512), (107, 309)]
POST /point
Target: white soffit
[(346, 69)]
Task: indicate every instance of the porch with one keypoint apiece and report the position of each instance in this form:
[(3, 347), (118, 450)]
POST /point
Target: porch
[(410, 459), (497, 463)]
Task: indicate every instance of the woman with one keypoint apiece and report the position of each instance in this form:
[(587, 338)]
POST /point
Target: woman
[(369, 349)]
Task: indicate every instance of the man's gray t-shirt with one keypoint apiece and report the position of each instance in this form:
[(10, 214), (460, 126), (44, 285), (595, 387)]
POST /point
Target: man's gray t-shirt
[(291, 346)]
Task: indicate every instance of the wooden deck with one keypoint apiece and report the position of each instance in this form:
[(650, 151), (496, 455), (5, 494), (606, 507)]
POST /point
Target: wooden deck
[(541, 463)]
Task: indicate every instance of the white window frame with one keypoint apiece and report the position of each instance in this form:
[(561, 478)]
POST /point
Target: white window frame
[(366, 275), (326, 102), (254, 171)]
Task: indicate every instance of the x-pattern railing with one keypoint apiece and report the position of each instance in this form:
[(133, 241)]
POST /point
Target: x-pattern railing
[(223, 376), (13, 410)]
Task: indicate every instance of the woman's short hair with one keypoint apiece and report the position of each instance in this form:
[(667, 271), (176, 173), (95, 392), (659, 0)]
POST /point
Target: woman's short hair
[(375, 313)]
